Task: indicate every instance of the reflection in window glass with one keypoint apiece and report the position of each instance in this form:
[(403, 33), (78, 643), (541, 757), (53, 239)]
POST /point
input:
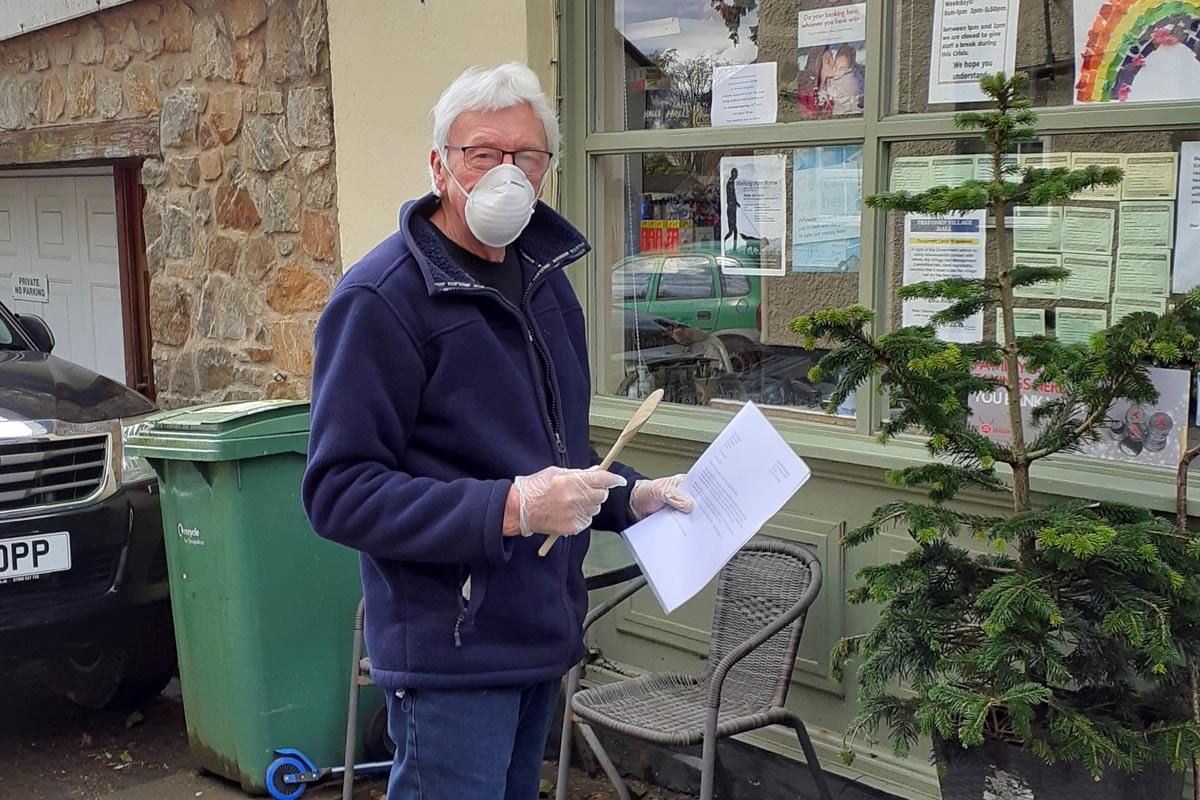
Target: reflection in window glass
[(685, 278), (708, 327), (701, 63), (734, 285), (632, 280)]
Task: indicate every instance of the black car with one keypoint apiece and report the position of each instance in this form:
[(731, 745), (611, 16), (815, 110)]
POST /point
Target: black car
[(83, 578)]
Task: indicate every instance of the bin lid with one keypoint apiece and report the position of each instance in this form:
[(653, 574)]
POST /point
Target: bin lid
[(223, 431)]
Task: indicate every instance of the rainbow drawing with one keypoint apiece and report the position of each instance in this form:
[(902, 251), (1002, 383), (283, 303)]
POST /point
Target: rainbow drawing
[(1123, 34)]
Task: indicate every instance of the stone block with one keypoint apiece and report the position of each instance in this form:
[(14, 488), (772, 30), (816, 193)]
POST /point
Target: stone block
[(54, 98), (210, 165), (236, 208), (264, 148), (283, 44), (223, 253), (246, 15), (298, 289), (248, 61), (81, 92), (225, 114), (279, 201), (141, 88), (178, 237), (171, 310), (213, 49), (318, 235), (89, 47), (180, 114), (10, 103), (110, 99), (312, 33), (310, 117), (177, 27)]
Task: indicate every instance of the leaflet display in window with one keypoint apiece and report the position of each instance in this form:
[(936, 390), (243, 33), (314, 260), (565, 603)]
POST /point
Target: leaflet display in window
[(697, 309), (715, 63)]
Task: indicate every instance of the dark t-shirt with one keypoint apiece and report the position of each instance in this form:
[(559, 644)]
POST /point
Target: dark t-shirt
[(503, 276)]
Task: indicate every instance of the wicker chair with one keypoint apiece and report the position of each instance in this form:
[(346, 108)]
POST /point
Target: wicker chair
[(762, 597)]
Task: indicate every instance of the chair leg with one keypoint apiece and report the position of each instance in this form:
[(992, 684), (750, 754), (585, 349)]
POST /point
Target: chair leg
[(352, 707), (708, 758), (723, 780), (810, 755), (564, 746), (610, 769)]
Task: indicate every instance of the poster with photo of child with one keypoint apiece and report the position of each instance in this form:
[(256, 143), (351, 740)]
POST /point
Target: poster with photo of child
[(831, 61)]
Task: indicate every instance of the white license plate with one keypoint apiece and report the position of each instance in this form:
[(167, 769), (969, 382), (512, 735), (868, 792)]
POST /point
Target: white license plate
[(27, 556)]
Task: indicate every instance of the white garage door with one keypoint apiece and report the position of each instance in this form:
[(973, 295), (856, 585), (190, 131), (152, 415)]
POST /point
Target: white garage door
[(64, 227)]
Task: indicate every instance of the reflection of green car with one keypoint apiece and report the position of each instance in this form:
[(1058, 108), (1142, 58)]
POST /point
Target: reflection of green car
[(692, 287)]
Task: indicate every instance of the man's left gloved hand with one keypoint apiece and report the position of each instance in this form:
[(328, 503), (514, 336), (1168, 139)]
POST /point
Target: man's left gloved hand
[(650, 496)]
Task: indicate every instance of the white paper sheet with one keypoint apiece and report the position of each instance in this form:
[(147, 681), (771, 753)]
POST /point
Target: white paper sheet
[(971, 38), (745, 95), (1187, 222), (740, 482), (937, 248)]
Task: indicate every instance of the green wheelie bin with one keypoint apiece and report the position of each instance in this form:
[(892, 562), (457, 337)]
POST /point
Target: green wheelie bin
[(264, 609)]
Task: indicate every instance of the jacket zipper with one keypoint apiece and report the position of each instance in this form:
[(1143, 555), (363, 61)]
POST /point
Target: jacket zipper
[(550, 417), (545, 388)]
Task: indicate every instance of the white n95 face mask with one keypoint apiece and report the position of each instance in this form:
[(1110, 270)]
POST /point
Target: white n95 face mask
[(500, 204)]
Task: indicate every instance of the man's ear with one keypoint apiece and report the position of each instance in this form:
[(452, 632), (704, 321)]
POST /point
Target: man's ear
[(437, 168)]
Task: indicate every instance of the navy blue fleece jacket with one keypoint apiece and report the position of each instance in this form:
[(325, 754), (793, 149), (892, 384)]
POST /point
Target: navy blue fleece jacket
[(430, 393)]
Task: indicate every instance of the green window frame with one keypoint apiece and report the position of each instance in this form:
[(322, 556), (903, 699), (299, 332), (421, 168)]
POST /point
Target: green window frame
[(876, 130)]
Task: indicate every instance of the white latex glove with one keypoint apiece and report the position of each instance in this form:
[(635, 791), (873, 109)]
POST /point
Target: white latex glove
[(561, 501), (650, 496)]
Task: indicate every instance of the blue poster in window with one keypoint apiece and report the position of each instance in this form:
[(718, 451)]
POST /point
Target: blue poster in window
[(826, 208)]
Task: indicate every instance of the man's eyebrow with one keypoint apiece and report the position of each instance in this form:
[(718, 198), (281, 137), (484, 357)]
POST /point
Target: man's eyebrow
[(488, 141)]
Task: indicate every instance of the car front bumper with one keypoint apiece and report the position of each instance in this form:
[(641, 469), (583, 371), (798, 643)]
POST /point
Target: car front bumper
[(117, 563)]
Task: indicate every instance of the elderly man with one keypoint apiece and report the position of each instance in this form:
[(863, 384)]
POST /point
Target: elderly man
[(449, 425)]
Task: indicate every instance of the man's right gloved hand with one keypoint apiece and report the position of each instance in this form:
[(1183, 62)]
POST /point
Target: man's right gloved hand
[(557, 501)]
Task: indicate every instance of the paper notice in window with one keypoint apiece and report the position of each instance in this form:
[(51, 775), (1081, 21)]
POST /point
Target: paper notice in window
[(745, 95), (739, 483)]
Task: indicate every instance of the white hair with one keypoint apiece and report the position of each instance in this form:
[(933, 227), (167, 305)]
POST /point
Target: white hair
[(477, 89)]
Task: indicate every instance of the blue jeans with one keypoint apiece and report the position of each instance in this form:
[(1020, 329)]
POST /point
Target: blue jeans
[(469, 744)]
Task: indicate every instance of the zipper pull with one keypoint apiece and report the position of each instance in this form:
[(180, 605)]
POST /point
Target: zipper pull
[(558, 440)]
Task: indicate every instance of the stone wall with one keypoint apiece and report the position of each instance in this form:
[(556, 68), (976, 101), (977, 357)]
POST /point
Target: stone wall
[(240, 222)]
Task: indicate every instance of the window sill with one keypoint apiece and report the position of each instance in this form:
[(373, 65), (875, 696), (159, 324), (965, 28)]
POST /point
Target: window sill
[(685, 431)]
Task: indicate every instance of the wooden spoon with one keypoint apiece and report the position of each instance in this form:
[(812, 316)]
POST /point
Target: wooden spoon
[(634, 425)]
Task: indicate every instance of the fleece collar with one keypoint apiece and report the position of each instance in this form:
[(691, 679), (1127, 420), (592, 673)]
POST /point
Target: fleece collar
[(548, 242)]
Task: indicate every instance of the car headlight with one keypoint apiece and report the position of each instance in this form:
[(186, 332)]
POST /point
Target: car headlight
[(134, 469)]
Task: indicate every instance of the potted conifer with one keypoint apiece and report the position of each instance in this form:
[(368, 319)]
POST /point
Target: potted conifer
[(1045, 650)]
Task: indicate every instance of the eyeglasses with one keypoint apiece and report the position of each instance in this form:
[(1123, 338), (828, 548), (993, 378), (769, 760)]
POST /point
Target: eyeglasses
[(478, 158)]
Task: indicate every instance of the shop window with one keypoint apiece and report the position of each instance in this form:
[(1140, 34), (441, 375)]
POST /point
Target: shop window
[(1127, 247), (1076, 53), (732, 258), (702, 63)]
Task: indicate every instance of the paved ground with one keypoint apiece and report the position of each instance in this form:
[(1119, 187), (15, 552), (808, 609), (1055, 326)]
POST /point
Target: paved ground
[(52, 750)]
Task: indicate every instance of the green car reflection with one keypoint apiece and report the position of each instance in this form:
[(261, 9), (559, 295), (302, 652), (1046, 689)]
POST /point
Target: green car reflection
[(696, 287)]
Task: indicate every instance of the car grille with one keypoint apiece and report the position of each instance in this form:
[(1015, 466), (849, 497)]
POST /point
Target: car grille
[(37, 474), (91, 576)]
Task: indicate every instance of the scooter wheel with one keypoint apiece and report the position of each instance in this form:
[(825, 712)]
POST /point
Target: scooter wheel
[(277, 773)]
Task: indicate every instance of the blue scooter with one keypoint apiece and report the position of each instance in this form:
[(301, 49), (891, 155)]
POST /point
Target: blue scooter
[(292, 772)]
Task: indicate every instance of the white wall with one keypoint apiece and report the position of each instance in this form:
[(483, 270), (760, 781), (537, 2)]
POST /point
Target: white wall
[(390, 59)]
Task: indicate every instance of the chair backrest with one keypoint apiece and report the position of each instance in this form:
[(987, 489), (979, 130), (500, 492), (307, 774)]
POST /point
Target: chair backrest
[(766, 580)]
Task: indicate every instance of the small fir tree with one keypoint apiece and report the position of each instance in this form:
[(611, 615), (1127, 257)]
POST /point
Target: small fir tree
[(1067, 628)]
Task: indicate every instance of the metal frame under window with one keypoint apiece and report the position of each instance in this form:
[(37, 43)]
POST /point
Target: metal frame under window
[(681, 428)]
